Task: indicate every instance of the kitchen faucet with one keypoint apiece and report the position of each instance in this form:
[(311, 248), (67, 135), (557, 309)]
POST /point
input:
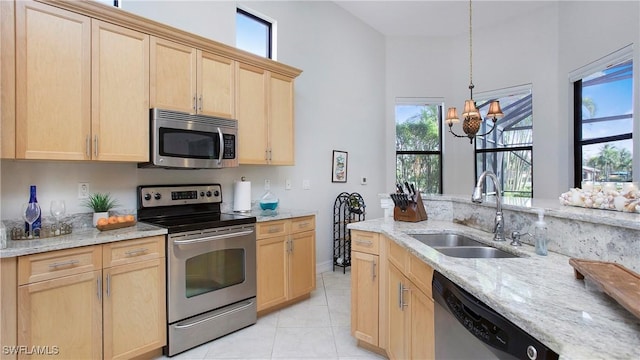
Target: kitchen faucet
[(476, 197)]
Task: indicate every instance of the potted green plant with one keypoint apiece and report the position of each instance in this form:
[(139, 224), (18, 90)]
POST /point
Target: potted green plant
[(100, 203)]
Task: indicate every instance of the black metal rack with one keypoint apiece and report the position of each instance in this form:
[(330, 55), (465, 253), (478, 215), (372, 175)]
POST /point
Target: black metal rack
[(347, 208)]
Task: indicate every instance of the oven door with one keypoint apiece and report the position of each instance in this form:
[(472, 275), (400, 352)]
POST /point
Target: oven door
[(208, 269)]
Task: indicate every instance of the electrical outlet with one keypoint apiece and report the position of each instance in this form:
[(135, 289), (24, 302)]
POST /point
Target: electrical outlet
[(287, 184), (306, 184), (267, 184), (363, 180), (83, 190)]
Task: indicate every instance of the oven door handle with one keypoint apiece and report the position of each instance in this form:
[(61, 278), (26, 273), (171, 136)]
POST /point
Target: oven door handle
[(231, 311), (211, 238), (221, 154)]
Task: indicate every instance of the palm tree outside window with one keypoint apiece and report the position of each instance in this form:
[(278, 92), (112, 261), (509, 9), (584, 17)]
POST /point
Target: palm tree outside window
[(603, 123)]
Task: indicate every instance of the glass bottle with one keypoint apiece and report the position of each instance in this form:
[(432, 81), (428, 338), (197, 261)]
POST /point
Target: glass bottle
[(33, 200)]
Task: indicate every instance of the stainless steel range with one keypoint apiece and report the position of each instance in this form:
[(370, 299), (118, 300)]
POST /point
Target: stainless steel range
[(211, 262)]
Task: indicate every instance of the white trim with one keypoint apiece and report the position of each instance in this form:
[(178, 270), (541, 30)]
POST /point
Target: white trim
[(325, 266), (504, 92), (419, 101), (616, 57)]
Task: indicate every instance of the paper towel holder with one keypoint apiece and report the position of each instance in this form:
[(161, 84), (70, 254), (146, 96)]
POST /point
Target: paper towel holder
[(242, 196)]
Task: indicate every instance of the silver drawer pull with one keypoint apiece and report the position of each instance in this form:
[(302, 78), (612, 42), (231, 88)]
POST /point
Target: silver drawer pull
[(64, 263), (273, 230), (364, 242), (136, 252), (302, 225)]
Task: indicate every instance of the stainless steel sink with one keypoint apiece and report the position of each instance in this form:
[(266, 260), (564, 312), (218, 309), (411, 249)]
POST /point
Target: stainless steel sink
[(461, 246), (446, 239), (473, 252)]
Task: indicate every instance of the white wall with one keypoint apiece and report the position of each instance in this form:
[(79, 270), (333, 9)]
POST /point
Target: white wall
[(339, 104)]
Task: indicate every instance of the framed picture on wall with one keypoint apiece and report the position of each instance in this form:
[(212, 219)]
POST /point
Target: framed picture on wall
[(339, 166)]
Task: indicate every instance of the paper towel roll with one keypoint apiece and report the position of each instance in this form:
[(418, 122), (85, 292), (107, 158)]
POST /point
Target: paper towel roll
[(242, 196)]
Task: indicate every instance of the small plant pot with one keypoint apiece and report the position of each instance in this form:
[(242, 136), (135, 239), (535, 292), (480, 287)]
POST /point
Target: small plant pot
[(99, 215)]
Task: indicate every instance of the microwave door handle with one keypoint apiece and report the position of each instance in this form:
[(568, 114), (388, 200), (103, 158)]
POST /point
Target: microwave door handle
[(221, 154)]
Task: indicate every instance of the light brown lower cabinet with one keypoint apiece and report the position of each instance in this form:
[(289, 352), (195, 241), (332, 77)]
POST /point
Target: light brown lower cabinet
[(103, 301), (410, 307), (391, 302), (286, 261)]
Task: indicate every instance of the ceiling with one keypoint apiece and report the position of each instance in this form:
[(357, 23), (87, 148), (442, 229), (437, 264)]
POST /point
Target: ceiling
[(435, 18)]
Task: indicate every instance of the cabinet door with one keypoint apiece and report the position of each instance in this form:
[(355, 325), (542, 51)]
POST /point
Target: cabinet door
[(64, 314), (422, 325), (173, 76), (302, 259), (134, 309), (216, 85), (397, 295), (251, 112), (120, 93), (272, 272), (53, 83), (281, 136), (364, 297)]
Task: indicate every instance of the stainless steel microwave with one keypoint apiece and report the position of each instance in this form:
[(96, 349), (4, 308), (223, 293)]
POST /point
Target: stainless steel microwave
[(187, 141)]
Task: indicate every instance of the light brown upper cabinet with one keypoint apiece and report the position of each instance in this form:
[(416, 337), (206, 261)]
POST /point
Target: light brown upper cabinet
[(81, 87), (264, 108), (120, 93), (186, 79)]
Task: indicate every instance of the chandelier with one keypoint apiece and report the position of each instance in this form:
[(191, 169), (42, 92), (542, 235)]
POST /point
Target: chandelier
[(472, 119)]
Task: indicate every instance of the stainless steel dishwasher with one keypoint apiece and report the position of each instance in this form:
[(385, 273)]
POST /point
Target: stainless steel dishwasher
[(466, 328)]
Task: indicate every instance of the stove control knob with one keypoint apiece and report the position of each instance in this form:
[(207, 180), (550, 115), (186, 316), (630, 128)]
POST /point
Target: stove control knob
[(216, 193), (201, 193), (157, 196), (208, 193), (147, 197)]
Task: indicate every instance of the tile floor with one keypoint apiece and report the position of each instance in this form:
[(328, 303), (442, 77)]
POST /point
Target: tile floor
[(317, 328)]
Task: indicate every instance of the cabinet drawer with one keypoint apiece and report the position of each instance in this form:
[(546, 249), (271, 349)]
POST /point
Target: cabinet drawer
[(420, 274), (129, 251), (272, 228), (397, 255), (301, 224), (364, 241), (55, 264)]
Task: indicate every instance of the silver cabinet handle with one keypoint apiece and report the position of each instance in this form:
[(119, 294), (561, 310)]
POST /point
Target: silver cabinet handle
[(200, 103), (401, 290), (136, 252), (266, 154), (291, 242), (364, 242), (194, 103), (108, 285), (64, 263), (87, 146), (373, 270), (95, 146)]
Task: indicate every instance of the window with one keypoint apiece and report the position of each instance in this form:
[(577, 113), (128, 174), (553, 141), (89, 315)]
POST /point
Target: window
[(418, 143), (507, 150), (254, 33), (603, 120)]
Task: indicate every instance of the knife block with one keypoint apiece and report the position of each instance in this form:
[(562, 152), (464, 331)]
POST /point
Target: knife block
[(413, 213)]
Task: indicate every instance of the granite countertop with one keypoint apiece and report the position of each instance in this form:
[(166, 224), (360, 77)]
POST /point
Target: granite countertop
[(281, 214), (538, 293), (81, 237), (92, 236)]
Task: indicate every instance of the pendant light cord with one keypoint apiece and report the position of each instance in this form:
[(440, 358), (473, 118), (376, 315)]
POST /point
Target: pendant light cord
[(470, 53)]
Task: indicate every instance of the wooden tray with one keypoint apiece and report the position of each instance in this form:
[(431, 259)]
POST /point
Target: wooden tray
[(622, 284), (116, 225)]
